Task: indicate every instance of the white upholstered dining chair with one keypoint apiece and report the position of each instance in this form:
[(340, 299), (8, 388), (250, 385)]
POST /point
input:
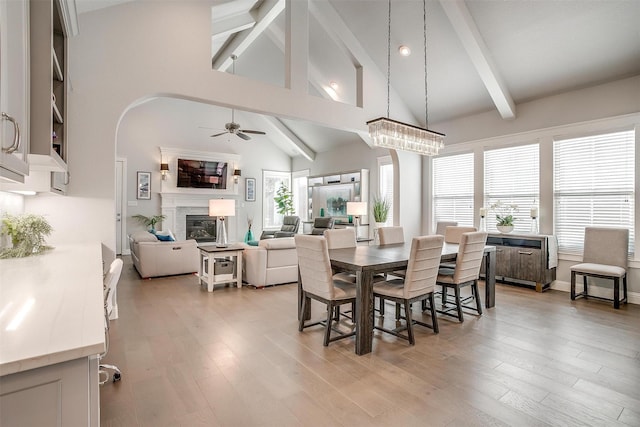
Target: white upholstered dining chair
[(605, 256), (318, 283), (110, 284), (417, 285), (465, 273)]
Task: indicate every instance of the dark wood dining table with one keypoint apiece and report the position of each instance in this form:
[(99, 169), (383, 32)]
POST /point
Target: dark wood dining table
[(367, 261)]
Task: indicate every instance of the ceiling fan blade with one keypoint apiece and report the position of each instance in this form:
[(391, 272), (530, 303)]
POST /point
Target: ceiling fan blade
[(243, 136), (257, 132), (218, 134)]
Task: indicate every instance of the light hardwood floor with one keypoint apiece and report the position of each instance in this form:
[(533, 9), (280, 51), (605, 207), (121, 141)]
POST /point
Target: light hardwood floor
[(235, 357)]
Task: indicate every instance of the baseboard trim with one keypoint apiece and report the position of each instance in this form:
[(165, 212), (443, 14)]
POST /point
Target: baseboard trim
[(597, 291)]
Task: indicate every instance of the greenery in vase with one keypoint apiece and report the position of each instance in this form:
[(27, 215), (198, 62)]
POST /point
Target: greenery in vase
[(284, 200), (381, 207), (149, 221), (504, 213), (27, 233)]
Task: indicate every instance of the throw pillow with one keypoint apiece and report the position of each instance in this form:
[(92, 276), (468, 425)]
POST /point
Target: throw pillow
[(164, 238)]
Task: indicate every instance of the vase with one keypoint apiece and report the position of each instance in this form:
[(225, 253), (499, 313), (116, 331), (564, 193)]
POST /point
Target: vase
[(248, 237), (505, 228)]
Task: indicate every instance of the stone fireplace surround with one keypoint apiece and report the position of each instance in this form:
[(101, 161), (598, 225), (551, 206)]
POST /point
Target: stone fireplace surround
[(177, 206)]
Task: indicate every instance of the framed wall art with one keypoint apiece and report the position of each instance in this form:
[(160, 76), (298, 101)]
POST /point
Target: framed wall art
[(144, 186), (250, 189)]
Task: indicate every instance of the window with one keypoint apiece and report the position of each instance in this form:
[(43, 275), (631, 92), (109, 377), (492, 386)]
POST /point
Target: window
[(593, 185), (385, 184), (271, 182), (300, 194), (512, 177), (453, 189)]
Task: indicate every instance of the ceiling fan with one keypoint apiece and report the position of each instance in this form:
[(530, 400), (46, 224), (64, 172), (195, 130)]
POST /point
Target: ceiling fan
[(232, 127)]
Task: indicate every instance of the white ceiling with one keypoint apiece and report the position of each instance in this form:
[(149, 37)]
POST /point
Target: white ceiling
[(537, 49)]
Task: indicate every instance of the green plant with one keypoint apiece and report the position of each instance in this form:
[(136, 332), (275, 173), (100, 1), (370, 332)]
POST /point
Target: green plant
[(504, 213), (27, 232), (149, 221), (381, 207), (284, 200)]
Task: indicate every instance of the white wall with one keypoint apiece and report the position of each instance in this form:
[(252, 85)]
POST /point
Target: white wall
[(174, 124)]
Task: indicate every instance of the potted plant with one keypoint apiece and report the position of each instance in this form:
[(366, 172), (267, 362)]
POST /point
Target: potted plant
[(284, 200), (27, 233), (381, 206), (504, 216), (149, 221)]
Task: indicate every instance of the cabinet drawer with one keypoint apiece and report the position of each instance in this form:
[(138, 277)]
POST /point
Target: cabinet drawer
[(526, 264)]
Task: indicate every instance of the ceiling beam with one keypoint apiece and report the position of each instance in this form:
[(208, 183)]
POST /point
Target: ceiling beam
[(225, 27), (465, 27), (264, 16), (284, 134)]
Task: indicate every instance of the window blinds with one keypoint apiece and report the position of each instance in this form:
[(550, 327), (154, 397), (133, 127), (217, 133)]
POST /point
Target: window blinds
[(453, 189), (511, 176), (593, 185)]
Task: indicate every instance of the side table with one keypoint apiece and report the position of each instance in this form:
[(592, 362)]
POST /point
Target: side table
[(206, 269)]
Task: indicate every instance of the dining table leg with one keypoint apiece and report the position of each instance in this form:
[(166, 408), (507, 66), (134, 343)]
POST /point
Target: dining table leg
[(490, 278), (364, 312)]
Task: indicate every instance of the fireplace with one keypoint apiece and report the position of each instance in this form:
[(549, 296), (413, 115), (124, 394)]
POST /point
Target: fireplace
[(202, 228)]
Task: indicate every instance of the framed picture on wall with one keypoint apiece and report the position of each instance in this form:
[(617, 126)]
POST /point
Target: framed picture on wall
[(250, 189), (144, 186)]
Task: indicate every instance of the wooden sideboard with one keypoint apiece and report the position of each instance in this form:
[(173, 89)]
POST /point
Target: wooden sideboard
[(527, 259)]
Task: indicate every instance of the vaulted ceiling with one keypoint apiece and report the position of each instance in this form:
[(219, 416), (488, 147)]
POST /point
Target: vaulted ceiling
[(481, 55)]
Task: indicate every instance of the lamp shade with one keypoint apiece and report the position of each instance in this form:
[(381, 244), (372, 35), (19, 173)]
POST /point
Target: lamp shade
[(164, 166), (222, 207), (356, 208), (237, 172)]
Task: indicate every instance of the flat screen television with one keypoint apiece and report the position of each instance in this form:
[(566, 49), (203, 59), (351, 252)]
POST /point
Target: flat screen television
[(202, 174)]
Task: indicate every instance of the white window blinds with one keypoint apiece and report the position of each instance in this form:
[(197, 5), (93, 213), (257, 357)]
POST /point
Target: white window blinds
[(385, 169), (453, 189), (593, 185), (512, 177)]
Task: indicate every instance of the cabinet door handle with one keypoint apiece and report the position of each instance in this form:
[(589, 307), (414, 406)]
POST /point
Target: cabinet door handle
[(525, 253), (16, 134)]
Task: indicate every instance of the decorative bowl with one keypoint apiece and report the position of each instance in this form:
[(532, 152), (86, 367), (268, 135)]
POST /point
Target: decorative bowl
[(505, 228)]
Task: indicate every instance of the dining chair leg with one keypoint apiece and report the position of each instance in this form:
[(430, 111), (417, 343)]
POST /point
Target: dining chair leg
[(584, 281), (616, 293), (624, 288), (398, 311), (407, 314), (381, 306), (444, 295), (459, 303), (302, 309), (573, 285), (337, 313), (475, 290), (327, 331), (434, 317), (423, 304)]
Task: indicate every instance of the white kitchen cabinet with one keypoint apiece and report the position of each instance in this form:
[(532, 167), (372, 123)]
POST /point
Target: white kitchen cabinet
[(14, 90)]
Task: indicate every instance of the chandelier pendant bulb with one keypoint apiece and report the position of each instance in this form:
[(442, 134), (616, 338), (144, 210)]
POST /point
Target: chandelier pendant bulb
[(393, 134)]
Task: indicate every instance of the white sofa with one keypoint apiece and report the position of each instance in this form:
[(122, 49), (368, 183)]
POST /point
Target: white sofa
[(272, 262), (153, 258)]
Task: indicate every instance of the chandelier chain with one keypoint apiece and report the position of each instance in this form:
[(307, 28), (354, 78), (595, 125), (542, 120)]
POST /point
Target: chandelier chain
[(426, 99), (389, 58)]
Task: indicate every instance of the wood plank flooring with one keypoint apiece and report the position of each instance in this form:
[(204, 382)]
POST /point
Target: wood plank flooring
[(235, 357)]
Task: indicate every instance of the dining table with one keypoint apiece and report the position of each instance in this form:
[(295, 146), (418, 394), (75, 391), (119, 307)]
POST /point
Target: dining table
[(367, 261)]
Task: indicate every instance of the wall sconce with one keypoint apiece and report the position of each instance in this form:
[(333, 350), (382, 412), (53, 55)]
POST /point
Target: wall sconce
[(237, 173), (164, 169)]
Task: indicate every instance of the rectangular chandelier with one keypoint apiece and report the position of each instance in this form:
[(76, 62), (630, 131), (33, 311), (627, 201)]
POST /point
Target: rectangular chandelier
[(396, 135)]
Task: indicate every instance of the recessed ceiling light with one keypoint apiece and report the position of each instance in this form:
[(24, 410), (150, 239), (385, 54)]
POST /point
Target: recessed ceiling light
[(334, 85), (404, 50)]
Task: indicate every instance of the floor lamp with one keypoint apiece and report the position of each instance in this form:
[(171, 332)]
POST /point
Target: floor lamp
[(221, 208), (357, 209)]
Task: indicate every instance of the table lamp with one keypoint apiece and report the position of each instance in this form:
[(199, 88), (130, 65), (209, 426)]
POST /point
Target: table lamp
[(222, 208), (356, 209)]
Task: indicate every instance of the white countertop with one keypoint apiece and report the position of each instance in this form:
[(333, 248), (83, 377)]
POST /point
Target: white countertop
[(60, 294)]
